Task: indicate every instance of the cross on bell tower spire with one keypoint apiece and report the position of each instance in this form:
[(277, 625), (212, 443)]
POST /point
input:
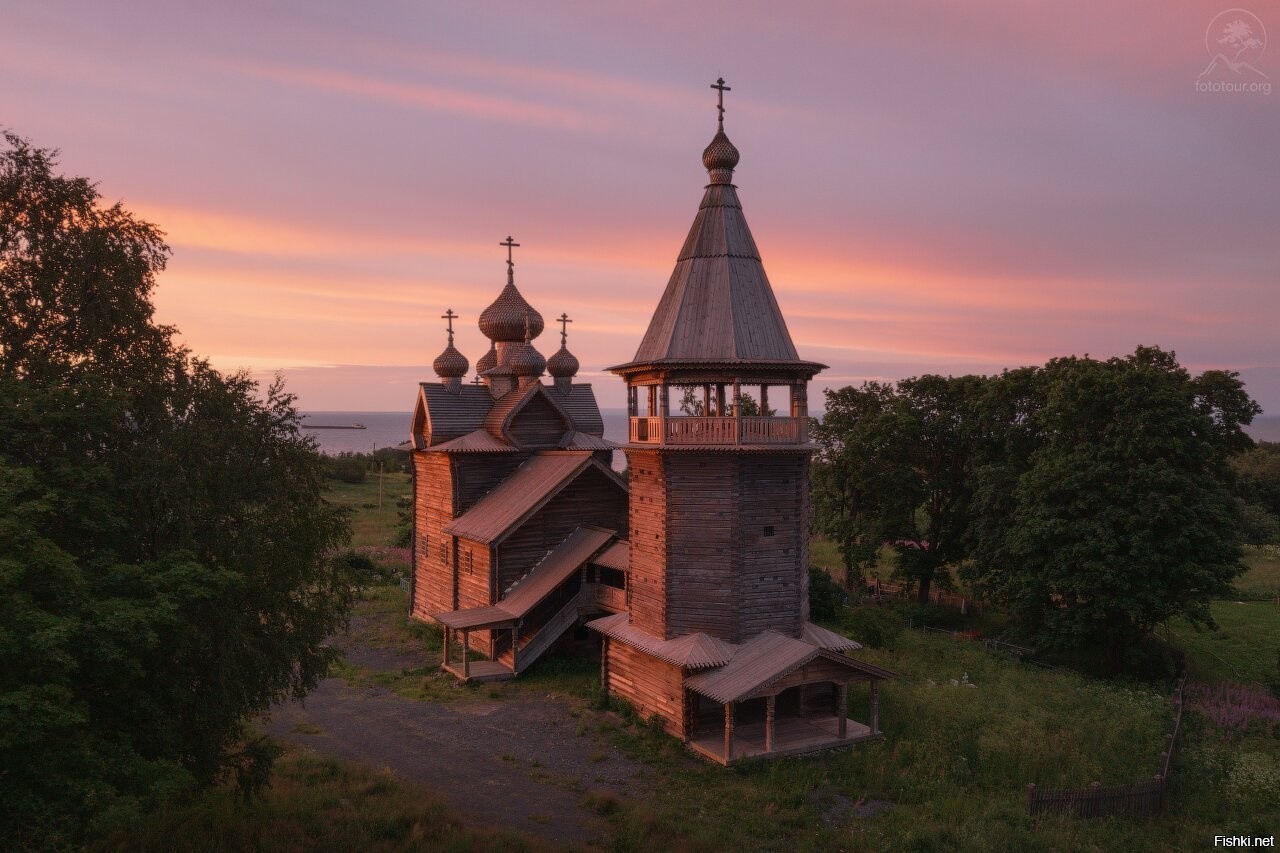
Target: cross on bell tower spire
[(719, 84)]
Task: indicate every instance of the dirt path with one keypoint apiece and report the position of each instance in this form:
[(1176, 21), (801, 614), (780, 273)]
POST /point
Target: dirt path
[(523, 763)]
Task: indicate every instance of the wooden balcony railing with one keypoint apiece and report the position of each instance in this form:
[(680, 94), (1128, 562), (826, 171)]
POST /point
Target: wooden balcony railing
[(719, 431)]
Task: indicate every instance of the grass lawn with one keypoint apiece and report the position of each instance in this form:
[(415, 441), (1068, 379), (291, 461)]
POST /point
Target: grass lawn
[(372, 524), (314, 804)]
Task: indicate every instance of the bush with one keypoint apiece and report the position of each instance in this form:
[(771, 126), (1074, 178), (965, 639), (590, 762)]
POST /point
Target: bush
[(347, 468), (872, 626), (826, 597)]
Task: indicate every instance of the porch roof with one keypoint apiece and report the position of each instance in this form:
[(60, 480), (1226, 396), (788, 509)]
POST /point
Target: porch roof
[(764, 659)]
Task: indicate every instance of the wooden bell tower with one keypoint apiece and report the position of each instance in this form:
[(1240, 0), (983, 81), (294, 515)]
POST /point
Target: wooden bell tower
[(718, 449)]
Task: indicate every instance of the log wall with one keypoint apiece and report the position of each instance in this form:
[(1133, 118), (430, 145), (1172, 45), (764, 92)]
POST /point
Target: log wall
[(773, 576), (476, 476), (646, 584), (703, 544), (432, 509), (653, 687)]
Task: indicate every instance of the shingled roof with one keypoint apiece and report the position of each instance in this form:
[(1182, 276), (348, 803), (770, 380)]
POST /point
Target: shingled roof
[(718, 306), (526, 491), (442, 416)]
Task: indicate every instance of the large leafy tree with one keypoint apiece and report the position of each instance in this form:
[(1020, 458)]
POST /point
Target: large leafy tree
[(893, 471), (163, 537), (1106, 510)]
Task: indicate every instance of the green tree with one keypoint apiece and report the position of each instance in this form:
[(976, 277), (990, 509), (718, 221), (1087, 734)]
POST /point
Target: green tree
[(893, 470), (1257, 477), (1107, 510), (163, 535), (856, 466)]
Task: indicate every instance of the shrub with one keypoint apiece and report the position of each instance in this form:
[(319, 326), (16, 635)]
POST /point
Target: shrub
[(346, 468), (826, 597), (872, 626)]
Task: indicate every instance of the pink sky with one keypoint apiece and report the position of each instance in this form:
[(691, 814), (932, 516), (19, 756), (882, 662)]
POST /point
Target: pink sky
[(951, 187)]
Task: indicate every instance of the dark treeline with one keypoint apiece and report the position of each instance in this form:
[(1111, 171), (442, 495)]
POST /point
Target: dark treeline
[(352, 467), (1092, 500)]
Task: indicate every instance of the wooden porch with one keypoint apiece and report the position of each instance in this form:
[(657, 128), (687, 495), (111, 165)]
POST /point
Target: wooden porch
[(791, 736), (804, 718)]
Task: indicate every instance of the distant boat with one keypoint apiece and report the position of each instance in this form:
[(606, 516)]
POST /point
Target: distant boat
[(334, 426)]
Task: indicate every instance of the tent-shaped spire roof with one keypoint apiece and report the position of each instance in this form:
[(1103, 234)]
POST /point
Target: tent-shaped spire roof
[(718, 306)]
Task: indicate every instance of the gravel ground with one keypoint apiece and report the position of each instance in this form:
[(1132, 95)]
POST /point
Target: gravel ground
[(522, 764)]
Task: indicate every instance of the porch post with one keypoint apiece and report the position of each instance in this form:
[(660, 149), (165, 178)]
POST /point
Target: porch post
[(842, 711), (466, 647), (764, 400), (769, 704), (444, 661), (604, 662), (728, 731), (875, 706), (515, 649)]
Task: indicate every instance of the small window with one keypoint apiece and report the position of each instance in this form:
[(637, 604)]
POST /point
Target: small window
[(768, 530), (471, 562)]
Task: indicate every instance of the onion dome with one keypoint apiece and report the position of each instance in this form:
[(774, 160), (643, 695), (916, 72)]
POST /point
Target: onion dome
[(510, 316), (488, 360), (504, 320), (720, 157), (524, 359), (563, 364), (450, 364)]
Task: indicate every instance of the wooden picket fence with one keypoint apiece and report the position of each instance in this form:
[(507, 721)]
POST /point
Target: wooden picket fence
[(1138, 799)]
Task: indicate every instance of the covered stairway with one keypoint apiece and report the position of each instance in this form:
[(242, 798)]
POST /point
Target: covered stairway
[(536, 611)]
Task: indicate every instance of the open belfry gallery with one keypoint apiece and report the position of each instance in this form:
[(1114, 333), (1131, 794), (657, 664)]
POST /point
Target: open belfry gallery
[(693, 573)]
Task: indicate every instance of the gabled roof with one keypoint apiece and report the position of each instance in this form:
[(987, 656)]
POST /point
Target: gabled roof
[(526, 491), (554, 569), (763, 660), (442, 415), (691, 651)]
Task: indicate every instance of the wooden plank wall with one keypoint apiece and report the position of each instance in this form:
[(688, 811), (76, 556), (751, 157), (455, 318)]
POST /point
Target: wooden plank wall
[(772, 580), (538, 424), (591, 498), (654, 687), (646, 584), (703, 544), (475, 476), (432, 510)]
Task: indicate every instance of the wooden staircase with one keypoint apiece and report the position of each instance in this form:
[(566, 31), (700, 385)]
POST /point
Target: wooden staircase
[(533, 645)]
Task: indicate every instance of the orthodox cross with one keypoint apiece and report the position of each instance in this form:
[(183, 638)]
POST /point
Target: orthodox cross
[(564, 322), (450, 316), (719, 84), (510, 244)]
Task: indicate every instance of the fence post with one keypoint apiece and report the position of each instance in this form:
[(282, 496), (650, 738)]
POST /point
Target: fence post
[(1031, 798), (1095, 799)]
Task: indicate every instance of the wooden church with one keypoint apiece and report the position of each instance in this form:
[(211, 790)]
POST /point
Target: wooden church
[(694, 574)]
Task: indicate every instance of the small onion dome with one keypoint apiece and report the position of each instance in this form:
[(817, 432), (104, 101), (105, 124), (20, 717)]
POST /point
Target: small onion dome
[(450, 364), (720, 156), (563, 364), (505, 319), (525, 360), (488, 360)]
